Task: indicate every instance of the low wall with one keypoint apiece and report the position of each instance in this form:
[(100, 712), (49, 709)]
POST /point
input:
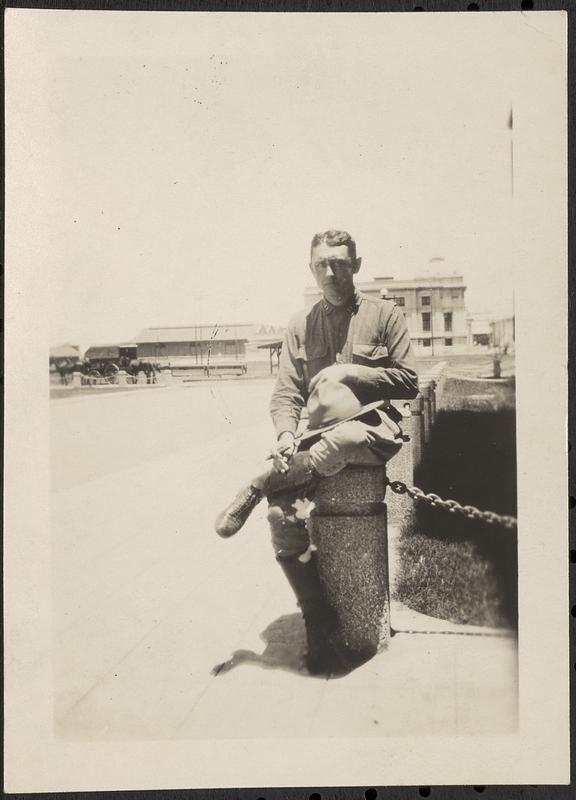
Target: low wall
[(479, 394)]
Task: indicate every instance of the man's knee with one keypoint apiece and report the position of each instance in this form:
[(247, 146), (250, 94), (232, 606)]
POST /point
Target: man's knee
[(275, 515), (289, 534)]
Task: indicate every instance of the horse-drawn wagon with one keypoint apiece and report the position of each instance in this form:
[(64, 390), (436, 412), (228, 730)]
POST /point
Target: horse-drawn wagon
[(103, 364)]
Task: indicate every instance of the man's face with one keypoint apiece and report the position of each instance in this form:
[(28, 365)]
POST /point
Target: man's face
[(334, 269)]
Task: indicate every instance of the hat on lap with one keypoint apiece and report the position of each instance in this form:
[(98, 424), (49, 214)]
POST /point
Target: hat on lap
[(332, 403)]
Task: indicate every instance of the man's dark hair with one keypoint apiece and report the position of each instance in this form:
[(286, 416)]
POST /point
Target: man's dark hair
[(335, 239)]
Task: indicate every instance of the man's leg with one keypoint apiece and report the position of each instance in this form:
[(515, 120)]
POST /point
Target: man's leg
[(326, 457), (300, 473), (326, 653)]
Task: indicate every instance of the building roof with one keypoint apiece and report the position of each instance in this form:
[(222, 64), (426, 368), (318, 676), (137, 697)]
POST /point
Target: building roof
[(448, 281), (65, 351), (266, 335), (272, 344), (501, 320), (195, 333), (451, 281), (106, 350)]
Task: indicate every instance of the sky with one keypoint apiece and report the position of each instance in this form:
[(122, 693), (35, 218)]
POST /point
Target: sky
[(186, 160)]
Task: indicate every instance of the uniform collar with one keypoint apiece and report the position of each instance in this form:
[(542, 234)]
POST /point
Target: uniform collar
[(351, 307)]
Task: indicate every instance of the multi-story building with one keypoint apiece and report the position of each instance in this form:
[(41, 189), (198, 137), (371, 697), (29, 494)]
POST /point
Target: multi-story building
[(434, 308)]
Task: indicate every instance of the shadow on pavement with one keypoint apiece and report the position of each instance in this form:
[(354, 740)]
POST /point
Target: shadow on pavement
[(285, 641)]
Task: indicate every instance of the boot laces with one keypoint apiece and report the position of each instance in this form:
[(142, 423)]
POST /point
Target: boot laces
[(245, 504)]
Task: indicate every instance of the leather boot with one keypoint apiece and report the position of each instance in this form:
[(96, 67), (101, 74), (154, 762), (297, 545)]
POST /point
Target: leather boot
[(327, 654), (231, 520)]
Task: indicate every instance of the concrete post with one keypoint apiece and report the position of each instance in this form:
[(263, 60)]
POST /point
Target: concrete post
[(122, 378), (401, 468), (349, 529), (432, 392), (76, 378), (497, 365), (417, 429), (438, 376), (439, 389), (425, 391)]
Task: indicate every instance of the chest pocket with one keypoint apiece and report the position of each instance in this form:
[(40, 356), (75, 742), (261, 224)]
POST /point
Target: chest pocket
[(371, 355), (313, 358)]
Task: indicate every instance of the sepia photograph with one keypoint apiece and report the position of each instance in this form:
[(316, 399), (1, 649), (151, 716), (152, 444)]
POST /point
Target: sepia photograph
[(289, 293)]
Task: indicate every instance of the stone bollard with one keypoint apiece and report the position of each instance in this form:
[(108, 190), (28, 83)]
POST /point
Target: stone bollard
[(417, 429), (141, 378), (432, 392), (401, 468), (426, 392), (497, 365), (437, 374), (349, 530), (76, 378), (440, 380), (122, 378)]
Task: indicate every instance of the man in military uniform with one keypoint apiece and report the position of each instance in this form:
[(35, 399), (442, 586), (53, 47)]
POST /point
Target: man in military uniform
[(345, 338)]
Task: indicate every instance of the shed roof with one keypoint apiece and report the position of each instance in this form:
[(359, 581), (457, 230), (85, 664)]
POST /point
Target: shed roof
[(106, 350), (195, 333), (65, 351), (271, 344)]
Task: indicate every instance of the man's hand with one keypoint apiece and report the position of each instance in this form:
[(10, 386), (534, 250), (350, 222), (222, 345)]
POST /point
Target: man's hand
[(341, 373), (283, 451)]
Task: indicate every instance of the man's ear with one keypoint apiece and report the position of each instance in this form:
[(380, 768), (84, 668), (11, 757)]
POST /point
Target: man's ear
[(357, 265)]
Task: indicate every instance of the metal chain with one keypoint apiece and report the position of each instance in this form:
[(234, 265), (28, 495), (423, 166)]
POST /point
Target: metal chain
[(453, 506)]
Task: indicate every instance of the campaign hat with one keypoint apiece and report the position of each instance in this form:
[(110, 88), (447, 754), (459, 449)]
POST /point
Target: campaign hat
[(331, 403)]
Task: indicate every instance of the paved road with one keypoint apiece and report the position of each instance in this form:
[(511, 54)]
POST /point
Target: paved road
[(147, 600), (95, 434)]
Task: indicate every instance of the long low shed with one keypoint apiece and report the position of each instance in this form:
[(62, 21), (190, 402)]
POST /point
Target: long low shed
[(194, 345)]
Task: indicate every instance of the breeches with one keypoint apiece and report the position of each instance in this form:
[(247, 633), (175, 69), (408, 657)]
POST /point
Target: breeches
[(287, 513)]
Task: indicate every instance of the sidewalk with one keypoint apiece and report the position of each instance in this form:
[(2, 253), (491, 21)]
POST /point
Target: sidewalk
[(148, 601)]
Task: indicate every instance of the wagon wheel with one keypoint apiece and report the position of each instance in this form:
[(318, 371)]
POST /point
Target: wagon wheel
[(93, 376), (111, 373)]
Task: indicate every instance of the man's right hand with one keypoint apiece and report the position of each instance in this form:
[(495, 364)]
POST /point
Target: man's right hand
[(283, 451)]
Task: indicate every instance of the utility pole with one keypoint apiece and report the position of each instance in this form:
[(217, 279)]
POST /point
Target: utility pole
[(432, 318), (511, 128)]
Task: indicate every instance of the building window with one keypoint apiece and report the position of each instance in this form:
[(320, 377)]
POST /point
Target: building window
[(425, 299), (448, 342), (400, 301), (426, 321), (455, 295), (426, 342), (448, 321)]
